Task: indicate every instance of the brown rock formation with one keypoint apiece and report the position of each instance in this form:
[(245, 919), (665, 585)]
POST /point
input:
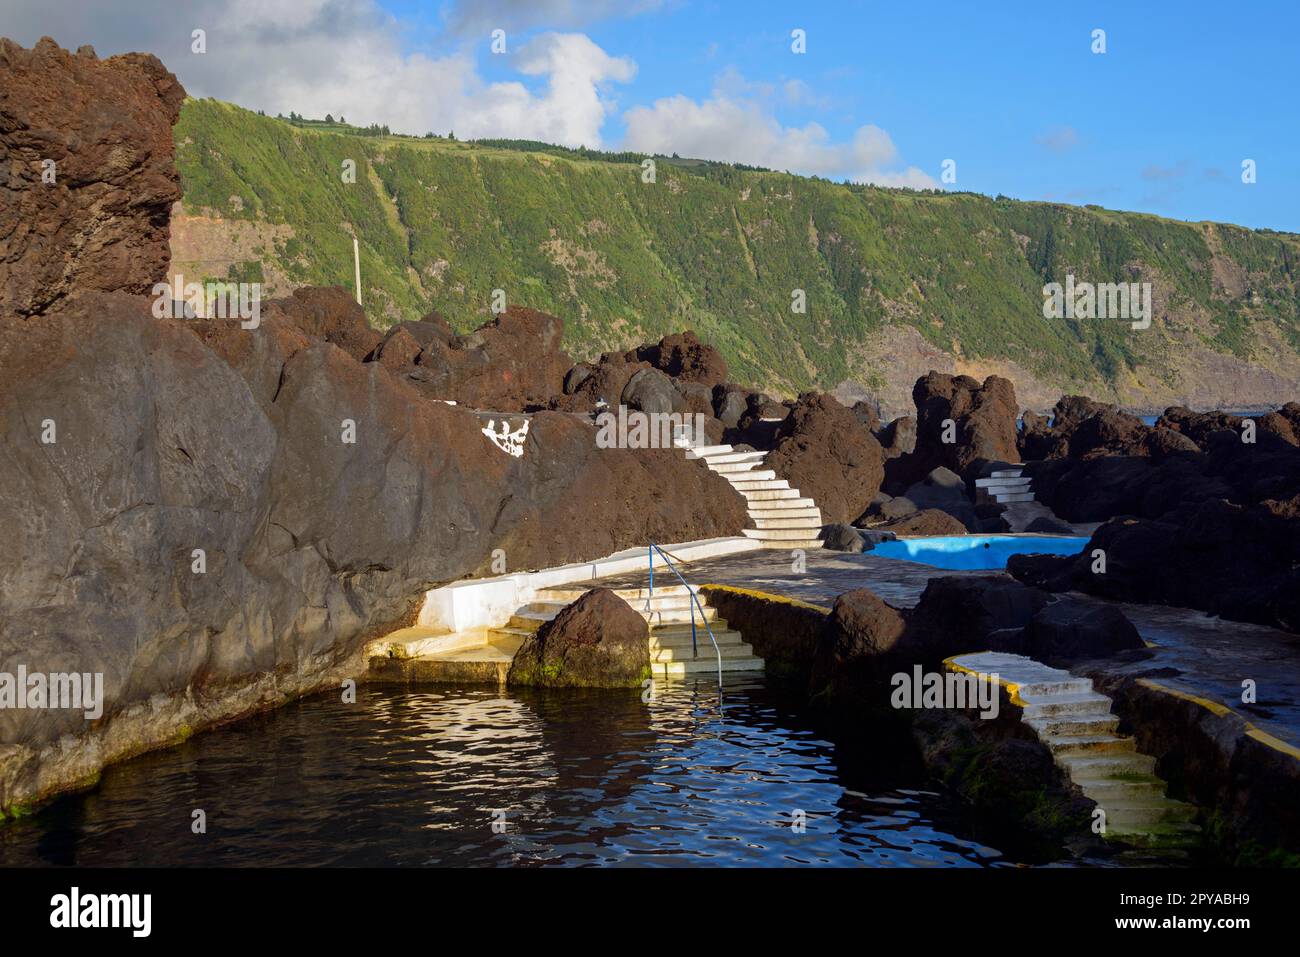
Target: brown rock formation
[(97, 219), (597, 641), (828, 454)]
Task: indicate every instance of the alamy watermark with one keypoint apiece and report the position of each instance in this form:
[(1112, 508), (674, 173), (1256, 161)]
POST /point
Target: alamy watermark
[(1107, 300), (209, 300), (921, 689), (62, 690), (648, 430)]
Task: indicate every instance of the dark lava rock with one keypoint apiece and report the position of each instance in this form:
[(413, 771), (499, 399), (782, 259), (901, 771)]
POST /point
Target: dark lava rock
[(867, 413), (840, 537), (828, 455), (575, 377), (1068, 630), (1234, 561), (650, 390), (729, 404), (696, 397), (985, 417), (931, 521), (1043, 525), (512, 363), (899, 436), (872, 537), (853, 660), (886, 508), (966, 613), (683, 356), (1083, 428), (104, 223), (597, 641), (944, 490)]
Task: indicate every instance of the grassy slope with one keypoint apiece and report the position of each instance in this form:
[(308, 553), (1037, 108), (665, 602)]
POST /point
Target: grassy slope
[(714, 248)]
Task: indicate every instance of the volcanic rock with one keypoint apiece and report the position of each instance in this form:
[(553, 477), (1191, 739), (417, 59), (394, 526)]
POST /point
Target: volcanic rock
[(683, 356), (931, 521), (824, 451), (984, 417), (597, 641), (97, 219)]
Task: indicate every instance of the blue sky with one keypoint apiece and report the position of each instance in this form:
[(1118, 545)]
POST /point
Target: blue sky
[(1161, 122)]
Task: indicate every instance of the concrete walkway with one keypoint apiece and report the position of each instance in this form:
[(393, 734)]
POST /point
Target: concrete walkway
[(1204, 656)]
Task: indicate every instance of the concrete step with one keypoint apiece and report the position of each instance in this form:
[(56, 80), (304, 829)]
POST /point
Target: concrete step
[(728, 469), (1089, 744), (1074, 724), (1131, 765), (782, 534), (1006, 473), (996, 486), (704, 651), (1120, 791), (1035, 690), (731, 458), (812, 519), (629, 595), (505, 631), (1089, 702), (704, 451), (776, 507), (663, 592), (785, 514), (807, 544), (1124, 817), (746, 476), (1015, 497), (703, 666), (764, 485), (527, 623), (725, 637)]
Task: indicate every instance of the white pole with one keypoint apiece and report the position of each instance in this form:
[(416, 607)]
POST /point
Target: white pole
[(356, 260)]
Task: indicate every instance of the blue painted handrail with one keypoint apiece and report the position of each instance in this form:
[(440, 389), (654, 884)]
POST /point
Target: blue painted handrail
[(695, 603)]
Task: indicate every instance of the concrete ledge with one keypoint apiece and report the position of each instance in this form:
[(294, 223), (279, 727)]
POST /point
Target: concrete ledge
[(489, 602), (783, 631), (413, 671)]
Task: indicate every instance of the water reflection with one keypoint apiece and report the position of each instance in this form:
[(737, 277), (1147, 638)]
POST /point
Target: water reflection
[(582, 778)]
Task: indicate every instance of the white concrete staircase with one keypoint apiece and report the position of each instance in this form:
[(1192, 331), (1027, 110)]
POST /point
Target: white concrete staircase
[(1007, 486), (1075, 722), (782, 518), (668, 614)]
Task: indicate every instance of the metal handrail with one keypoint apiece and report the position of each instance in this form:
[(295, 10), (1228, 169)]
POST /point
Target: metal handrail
[(695, 603)]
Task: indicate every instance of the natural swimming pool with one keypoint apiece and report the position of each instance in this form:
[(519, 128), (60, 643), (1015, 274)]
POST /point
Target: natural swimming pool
[(976, 552), (476, 776)]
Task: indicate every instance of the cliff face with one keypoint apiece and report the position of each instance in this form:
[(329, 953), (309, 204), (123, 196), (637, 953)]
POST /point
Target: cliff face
[(895, 283), (217, 518)]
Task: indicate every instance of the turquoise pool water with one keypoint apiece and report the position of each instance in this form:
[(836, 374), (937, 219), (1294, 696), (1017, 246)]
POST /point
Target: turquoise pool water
[(971, 552)]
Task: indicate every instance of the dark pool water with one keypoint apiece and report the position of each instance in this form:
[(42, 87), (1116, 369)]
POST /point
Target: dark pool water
[(583, 778)]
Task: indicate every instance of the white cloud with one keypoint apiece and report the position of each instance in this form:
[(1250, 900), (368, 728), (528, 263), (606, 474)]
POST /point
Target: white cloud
[(1060, 139), (732, 127), (483, 16), (345, 57)]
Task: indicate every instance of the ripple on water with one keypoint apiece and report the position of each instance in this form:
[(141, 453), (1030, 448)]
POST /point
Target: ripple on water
[(584, 778)]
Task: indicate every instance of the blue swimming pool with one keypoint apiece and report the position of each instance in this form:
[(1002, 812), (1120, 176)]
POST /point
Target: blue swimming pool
[(977, 551)]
